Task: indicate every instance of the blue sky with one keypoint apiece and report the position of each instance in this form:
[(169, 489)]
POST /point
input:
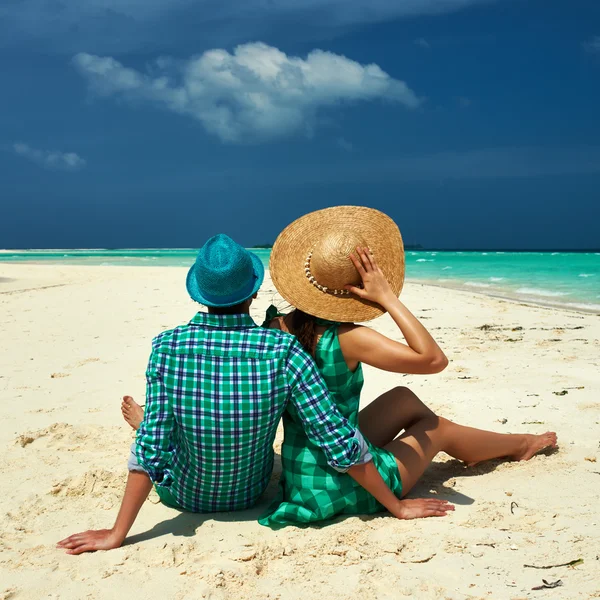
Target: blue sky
[(150, 123)]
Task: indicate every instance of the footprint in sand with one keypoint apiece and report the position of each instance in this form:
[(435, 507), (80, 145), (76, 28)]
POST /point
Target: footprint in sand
[(28, 438), (81, 363), (98, 483), (87, 361), (589, 406), (69, 438), (59, 375), (25, 440), (45, 410)]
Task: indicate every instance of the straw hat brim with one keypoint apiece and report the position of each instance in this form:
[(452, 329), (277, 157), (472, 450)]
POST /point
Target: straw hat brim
[(298, 239)]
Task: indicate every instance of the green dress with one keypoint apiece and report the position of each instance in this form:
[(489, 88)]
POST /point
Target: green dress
[(309, 489)]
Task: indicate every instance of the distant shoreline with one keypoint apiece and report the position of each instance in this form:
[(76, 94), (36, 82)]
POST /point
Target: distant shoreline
[(499, 294), (507, 297), (557, 278)]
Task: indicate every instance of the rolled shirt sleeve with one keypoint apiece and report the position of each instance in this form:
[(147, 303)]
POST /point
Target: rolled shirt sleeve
[(343, 445), (154, 449)]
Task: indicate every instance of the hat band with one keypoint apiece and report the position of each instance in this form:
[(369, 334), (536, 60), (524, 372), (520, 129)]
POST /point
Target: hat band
[(323, 288), (238, 296)]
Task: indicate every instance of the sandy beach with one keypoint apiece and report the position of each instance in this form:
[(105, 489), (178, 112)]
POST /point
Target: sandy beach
[(75, 339)]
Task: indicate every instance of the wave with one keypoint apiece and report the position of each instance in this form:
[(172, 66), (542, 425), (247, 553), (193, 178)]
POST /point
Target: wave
[(425, 260), (541, 292), (497, 278), (477, 284), (583, 305), (446, 268), (586, 274)]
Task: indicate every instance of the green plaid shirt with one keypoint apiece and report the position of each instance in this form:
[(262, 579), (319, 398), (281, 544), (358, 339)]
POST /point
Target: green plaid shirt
[(216, 390)]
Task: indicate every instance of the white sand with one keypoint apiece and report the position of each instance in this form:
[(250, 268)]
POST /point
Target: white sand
[(74, 340)]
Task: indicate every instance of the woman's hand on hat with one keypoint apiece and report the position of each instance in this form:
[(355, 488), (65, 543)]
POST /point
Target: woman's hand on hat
[(375, 287)]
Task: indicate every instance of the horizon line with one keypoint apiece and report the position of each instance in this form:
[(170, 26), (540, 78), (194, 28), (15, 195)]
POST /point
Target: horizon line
[(408, 247)]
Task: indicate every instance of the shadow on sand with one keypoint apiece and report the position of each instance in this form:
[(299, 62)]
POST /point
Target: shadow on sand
[(434, 483), (185, 524), (435, 480)]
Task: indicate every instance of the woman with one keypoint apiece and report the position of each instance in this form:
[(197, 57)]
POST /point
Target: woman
[(337, 266)]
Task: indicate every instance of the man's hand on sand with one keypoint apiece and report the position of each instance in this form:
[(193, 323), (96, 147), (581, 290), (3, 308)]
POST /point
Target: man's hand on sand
[(90, 541)]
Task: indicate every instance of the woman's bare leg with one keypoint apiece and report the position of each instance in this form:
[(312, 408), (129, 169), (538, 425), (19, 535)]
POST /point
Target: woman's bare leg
[(391, 413), (415, 449)]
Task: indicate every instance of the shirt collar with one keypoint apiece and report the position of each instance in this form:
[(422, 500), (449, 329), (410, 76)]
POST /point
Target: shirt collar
[(223, 321)]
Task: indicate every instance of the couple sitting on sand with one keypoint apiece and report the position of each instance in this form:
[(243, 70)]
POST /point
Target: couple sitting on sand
[(218, 387)]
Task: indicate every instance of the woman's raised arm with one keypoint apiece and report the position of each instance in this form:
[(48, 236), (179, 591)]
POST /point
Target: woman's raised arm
[(421, 353)]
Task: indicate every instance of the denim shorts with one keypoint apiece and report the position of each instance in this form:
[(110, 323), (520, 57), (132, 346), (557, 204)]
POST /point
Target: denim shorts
[(132, 461), (165, 495)]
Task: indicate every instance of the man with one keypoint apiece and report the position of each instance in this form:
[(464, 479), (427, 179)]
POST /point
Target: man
[(216, 390)]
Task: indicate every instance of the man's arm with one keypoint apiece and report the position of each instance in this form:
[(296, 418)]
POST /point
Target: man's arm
[(153, 453), (154, 436), (137, 490)]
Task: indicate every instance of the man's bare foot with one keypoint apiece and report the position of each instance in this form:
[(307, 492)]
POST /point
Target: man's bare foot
[(133, 413), (536, 443)]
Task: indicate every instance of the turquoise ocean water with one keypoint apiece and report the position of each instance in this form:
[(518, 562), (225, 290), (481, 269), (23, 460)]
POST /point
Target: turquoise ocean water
[(567, 279)]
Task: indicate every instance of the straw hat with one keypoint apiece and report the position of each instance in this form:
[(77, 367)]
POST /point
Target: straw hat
[(310, 262)]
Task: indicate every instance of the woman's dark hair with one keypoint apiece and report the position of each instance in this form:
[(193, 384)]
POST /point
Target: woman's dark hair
[(304, 328)]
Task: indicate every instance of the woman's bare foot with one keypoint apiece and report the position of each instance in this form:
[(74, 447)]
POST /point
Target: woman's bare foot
[(532, 444), (536, 443), (133, 413)]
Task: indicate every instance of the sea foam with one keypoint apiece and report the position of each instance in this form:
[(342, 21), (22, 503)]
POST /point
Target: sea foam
[(583, 306), (541, 292)]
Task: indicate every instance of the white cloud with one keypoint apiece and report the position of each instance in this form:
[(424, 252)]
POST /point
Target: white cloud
[(119, 26), (423, 43), (593, 45), (257, 93), (50, 158)]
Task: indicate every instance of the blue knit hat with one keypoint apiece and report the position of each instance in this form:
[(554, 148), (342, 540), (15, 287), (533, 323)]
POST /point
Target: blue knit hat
[(224, 273)]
